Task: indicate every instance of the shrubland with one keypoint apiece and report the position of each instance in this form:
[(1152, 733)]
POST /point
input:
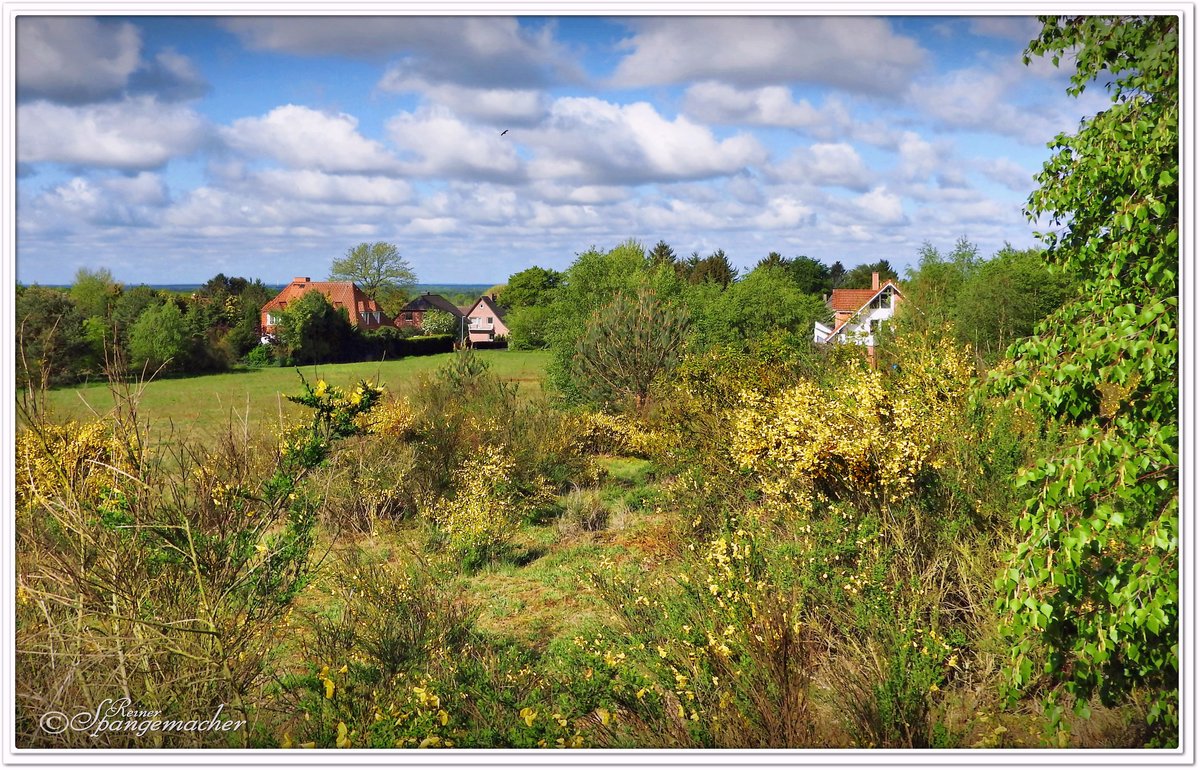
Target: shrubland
[(708, 533)]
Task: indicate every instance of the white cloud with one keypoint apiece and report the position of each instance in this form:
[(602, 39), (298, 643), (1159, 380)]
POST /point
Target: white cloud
[(170, 76), (999, 98), (137, 133), (471, 51), (509, 106), (920, 159), (442, 144), (350, 189), (857, 53), (785, 212), (77, 203), (714, 102), (1008, 173), (883, 207), (826, 165), (591, 141), (1018, 29), (74, 59), (301, 137)]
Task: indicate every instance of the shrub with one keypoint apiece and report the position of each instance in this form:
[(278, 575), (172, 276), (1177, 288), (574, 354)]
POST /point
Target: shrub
[(715, 656), (583, 510), (178, 565), (480, 519)]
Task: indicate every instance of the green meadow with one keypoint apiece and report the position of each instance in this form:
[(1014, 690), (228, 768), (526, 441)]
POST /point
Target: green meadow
[(258, 396)]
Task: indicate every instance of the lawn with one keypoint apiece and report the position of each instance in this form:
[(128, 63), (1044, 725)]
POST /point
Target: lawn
[(257, 396)]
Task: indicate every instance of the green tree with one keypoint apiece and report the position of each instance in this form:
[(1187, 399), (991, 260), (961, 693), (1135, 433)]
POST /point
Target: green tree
[(810, 275), (313, 331), (773, 259), (933, 288), (1004, 298), (1091, 596), (50, 349), (441, 322), (94, 292), (532, 286), (528, 327), (715, 268), (160, 336), (860, 277), (626, 345), (766, 301), (377, 268), (662, 254), (591, 282)]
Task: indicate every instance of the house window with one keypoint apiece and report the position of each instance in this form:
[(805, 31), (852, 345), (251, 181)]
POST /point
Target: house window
[(489, 319), (408, 316), (272, 319)]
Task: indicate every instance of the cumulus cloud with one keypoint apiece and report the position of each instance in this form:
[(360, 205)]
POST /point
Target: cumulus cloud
[(510, 106), (714, 102), (920, 159), (998, 98), (592, 141), (858, 53), (134, 134), (826, 165), (882, 206), (783, 212), (77, 60), (349, 189), (1018, 29), (1008, 173), (479, 51), (134, 201), (74, 59), (443, 144), (301, 137), (169, 76)]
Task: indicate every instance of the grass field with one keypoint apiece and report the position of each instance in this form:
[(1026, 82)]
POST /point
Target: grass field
[(257, 396)]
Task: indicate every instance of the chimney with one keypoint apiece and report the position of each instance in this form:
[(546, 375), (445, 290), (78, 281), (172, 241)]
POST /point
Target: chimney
[(875, 281), (301, 279)]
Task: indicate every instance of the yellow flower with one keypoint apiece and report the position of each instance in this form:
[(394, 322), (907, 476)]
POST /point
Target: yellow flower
[(529, 715)]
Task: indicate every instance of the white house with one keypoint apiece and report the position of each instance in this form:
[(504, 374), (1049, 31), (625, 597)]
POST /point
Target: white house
[(859, 313)]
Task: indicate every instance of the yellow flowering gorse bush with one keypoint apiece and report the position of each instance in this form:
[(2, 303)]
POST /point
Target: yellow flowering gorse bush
[(82, 462), (481, 517), (872, 436)]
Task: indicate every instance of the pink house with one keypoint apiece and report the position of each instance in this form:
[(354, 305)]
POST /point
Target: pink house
[(485, 321)]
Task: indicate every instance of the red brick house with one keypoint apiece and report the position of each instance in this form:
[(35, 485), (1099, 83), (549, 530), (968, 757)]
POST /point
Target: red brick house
[(485, 321), (412, 315), (364, 312)]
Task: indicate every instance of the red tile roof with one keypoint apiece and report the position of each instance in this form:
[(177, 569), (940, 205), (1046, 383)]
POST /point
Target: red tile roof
[(339, 293), (850, 299), (853, 299)]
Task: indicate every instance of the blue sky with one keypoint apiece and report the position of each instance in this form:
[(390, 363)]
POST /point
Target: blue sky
[(168, 149)]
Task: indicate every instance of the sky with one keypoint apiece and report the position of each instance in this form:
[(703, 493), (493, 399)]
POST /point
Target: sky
[(168, 149)]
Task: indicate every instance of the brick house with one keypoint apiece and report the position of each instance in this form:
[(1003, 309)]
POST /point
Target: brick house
[(485, 321), (859, 313), (412, 315), (363, 312)]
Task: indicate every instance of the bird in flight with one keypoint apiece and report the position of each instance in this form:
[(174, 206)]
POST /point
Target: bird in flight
[(505, 131)]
